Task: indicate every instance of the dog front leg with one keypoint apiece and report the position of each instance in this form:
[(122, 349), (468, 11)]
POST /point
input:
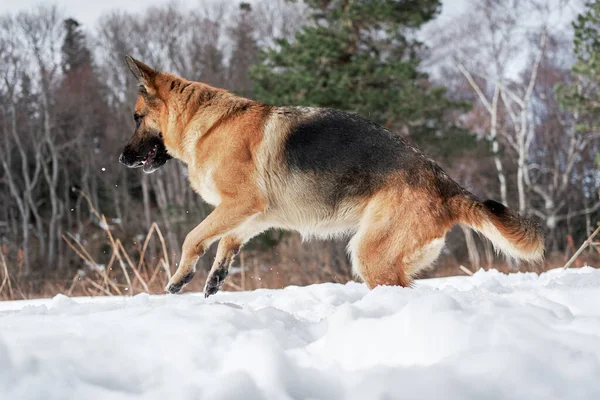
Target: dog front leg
[(229, 247), (223, 219)]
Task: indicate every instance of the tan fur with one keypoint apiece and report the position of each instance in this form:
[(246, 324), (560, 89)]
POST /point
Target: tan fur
[(234, 150), (400, 234), (510, 233)]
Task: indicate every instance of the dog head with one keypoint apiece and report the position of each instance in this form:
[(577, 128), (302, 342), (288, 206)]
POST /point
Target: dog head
[(146, 148)]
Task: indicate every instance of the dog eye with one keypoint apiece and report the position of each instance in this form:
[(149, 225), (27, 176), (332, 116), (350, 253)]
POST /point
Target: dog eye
[(138, 119)]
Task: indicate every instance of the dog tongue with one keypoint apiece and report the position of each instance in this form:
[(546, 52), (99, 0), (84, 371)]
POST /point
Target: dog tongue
[(150, 154)]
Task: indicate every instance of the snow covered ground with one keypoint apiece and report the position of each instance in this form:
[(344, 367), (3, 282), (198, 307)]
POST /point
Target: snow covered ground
[(490, 336)]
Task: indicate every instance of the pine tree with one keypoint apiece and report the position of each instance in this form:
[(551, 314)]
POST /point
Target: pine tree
[(82, 110), (362, 56), (76, 55), (245, 51), (582, 96), (27, 102)]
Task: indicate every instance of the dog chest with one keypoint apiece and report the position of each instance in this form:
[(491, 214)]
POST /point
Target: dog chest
[(203, 183)]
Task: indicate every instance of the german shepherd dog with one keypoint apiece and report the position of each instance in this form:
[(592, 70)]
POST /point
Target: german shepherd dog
[(318, 171)]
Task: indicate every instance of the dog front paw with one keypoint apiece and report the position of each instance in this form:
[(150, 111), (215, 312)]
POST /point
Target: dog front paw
[(215, 281), (175, 285)]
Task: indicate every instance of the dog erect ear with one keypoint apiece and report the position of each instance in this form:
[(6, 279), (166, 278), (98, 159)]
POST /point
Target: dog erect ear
[(143, 73)]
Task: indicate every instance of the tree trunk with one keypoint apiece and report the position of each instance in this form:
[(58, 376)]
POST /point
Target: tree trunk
[(471, 248), (496, 147), (146, 200)]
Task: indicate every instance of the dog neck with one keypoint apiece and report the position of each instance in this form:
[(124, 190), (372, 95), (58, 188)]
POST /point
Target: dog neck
[(196, 112)]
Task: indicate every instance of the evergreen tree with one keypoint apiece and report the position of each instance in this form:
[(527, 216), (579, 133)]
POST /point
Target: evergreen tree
[(82, 110), (76, 55), (79, 81), (582, 96), (27, 102), (362, 56), (245, 51)]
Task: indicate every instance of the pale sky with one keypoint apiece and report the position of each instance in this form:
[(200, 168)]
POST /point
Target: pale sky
[(88, 11)]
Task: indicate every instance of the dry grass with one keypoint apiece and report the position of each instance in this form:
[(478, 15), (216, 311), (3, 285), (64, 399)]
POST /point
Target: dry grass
[(132, 271), (291, 262)]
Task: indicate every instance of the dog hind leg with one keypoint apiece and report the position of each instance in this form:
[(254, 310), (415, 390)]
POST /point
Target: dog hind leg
[(391, 245)]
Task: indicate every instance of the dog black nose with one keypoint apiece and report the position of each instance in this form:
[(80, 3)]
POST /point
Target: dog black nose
[(130, 160)]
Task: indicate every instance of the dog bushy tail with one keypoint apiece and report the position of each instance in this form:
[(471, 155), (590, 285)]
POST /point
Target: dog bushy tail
[(515, 236)]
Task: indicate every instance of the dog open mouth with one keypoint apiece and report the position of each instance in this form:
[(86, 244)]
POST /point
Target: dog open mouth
[(150, 155), (148, 163)]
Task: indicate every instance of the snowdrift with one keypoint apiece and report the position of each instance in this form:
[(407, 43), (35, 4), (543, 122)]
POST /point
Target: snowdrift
[(490, 336)]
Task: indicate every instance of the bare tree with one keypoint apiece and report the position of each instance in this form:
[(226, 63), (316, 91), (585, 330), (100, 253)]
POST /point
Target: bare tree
[(499, 48), (22, 181), (42, 32)]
